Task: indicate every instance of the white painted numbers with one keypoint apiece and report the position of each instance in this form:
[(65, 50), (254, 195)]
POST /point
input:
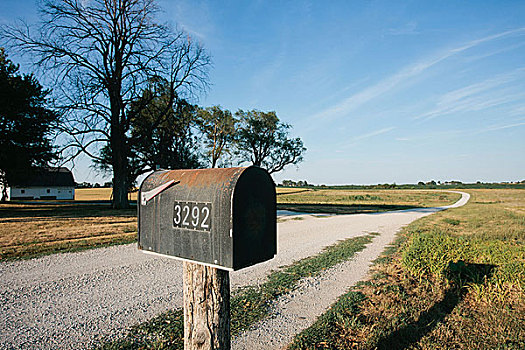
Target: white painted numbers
[(192, 216)]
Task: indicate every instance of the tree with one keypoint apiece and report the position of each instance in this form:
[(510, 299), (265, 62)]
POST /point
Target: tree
[(26, 125), (218, 129), (102, 54), (263, 140), (167, 142), (170, 143)]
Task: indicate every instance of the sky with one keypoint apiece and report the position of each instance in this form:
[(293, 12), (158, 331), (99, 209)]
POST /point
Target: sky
[(379, 91)]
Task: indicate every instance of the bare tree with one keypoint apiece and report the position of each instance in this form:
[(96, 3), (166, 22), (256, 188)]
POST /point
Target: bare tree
[(102, 54)]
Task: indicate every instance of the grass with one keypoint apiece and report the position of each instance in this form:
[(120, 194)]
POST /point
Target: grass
[(248, 305), (32, 229), (99, 194), (104, 193), (454, 279), (339, 201)]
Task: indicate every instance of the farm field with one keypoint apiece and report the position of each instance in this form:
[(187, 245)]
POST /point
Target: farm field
[(98, 194), (455, 279), (33, 229), (359, 201), (104, 193)]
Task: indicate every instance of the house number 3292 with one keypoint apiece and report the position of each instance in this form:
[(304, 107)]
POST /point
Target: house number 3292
[(192, 216)]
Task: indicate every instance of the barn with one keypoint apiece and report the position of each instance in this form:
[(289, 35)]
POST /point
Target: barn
[(49, 183)]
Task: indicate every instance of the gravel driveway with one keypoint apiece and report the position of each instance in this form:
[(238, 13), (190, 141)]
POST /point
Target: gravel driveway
[(73, 300)]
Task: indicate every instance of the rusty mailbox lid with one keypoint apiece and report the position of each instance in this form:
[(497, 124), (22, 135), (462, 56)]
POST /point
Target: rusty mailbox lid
[(221, 217)]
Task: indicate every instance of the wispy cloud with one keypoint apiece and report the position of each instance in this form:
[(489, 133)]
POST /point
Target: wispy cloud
[(476, 103), (195, 18), (478, 96), (350, 142), (409, 72), (502, 79), (197, 34), (494, 52), (500, 127), (374, 133), (520, 110)]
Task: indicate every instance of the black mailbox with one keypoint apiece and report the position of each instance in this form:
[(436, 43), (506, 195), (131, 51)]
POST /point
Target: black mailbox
[(224, 217)]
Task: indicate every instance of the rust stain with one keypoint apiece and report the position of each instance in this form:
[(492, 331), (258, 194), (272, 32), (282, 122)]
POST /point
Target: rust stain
[(196, 177)]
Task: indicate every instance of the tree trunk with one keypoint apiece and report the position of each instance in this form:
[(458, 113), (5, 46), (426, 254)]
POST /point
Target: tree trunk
[(119, 159), (120, 192), (4, 194), (206, 308), (120, 183)]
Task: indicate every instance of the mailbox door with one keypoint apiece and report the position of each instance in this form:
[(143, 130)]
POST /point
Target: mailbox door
[(254, 218)]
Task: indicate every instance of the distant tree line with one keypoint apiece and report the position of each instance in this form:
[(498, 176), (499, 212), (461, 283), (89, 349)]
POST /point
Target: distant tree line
[(420, 185), (86, 184), (291, 183), (123, 86)]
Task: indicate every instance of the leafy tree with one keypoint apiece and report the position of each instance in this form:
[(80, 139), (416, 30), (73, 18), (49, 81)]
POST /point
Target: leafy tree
[(218, 129), (263, 140), (167, 142), (102, 55), (26, 125)]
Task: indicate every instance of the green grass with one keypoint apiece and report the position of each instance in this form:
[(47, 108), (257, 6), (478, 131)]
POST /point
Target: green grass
[(455, 279), (248, 305)]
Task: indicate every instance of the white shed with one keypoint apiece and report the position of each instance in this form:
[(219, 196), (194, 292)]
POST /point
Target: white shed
[(50, 183)]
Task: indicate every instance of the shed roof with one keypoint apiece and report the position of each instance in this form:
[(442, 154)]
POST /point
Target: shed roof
[(47, 177)]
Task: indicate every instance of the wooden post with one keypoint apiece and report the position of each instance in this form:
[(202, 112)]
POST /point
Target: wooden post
[(206, 308)]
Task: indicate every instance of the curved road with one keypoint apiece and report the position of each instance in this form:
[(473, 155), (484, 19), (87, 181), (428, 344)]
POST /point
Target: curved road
[(74, 300)]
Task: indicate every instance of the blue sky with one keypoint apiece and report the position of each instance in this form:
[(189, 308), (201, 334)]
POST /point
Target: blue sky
[(379, 91)]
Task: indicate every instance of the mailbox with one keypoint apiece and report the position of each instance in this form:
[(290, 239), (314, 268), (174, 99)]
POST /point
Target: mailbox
[(223, 217)]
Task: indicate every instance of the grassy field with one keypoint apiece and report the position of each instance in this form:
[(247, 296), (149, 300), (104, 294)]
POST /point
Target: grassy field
[(32, 229), (98, 194), (454, 279), (352, 201), (104, 194)]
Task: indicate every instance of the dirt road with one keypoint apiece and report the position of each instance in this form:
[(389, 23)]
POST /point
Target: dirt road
[(73, 300)]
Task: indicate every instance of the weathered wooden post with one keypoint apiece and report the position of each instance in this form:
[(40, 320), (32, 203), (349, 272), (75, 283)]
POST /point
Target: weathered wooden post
[(216, 221), (206, 307)]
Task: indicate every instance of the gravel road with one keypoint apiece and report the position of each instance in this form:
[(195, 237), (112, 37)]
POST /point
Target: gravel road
[(74, 300)]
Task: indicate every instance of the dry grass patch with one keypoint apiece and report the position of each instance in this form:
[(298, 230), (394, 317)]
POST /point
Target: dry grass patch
[(29, 230), (337, 201), (413, 198), (35, 228), (99, 194)]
